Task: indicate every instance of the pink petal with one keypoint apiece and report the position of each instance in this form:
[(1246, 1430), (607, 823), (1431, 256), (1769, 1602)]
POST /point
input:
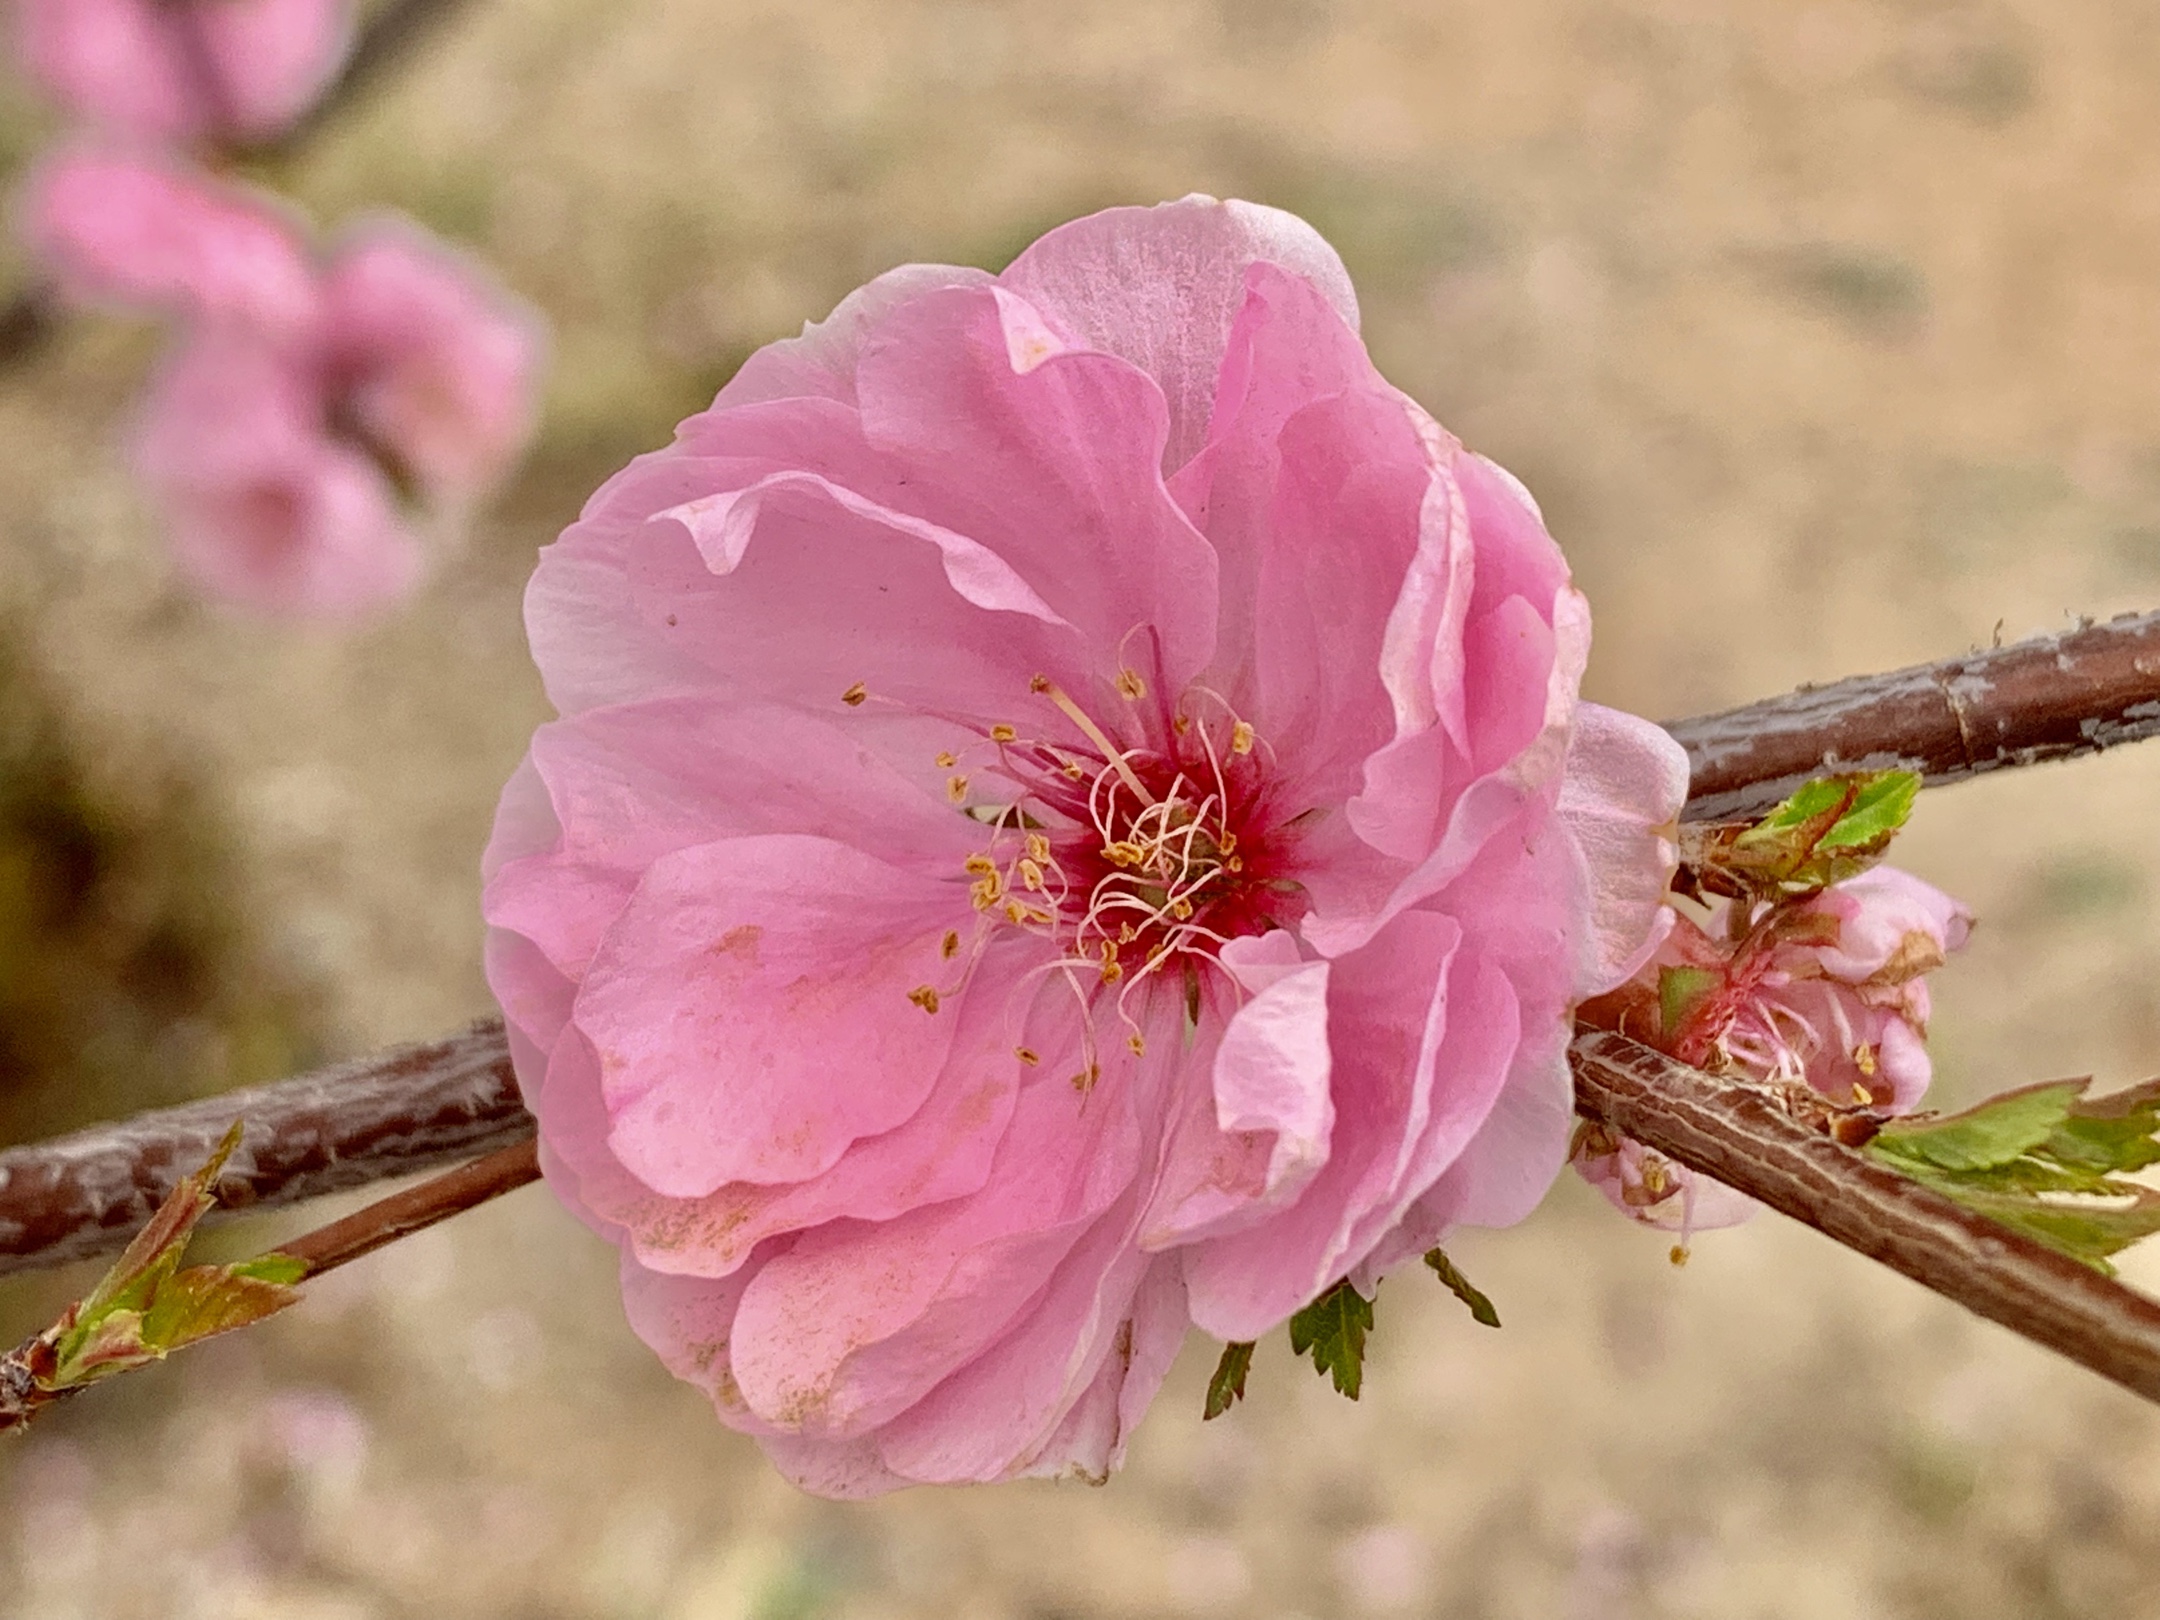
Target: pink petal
[(1160, 286), (1626, 781), (148, 233), (441, 363), (270, 58), (821, 363), (114, 63), (1051, 460), (750, 1009)]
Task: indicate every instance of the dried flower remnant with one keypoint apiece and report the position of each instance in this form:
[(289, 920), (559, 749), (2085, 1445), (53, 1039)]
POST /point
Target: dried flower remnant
[(1071, 819), (228, 72), (1827, 992), (321, 412)]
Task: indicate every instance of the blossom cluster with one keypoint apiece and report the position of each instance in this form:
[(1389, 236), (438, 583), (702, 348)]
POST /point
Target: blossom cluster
[(324, 406), (1828, 993)]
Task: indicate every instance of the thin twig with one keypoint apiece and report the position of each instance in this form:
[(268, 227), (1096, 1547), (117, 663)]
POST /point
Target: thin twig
[(1739, 1135), (2051, 697), (416, 1208), (394, 1113)]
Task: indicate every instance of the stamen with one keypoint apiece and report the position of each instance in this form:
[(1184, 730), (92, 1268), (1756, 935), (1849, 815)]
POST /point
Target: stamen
[(1130, 686), (1003, 733), (946, 759), (853, 697), (949, 946), (1027, 1056), (956, 789), (1112, 755), (924, 997), (1241, 738)]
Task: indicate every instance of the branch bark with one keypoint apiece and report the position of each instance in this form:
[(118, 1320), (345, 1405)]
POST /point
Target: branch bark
[(2052, 697), (1737, 1134), (394, 1113)]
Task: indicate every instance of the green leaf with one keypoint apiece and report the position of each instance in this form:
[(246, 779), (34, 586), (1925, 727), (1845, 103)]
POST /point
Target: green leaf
[(1992, 1133), (1332, 1331), (1227, 1387), (270, 1268), (1832, 828), (2045, 1161), (1680, 991), (1481, 1308)]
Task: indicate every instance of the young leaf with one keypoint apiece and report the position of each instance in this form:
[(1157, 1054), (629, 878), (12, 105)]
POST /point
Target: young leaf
[(1227, 1387), (1832, 828), (1332, 1331), (1481, 1308), (2043, 1161), (1992, 1133)]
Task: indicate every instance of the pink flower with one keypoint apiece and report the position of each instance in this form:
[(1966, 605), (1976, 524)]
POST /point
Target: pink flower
[(264, 508), (185, 70), (394, 364), (1070, 818), (1829, 992)]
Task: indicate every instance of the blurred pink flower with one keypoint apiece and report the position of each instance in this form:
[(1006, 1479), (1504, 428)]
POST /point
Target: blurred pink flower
[(1070, 817), (395, 364), (184, 70), (264, 509), (1830, 992)]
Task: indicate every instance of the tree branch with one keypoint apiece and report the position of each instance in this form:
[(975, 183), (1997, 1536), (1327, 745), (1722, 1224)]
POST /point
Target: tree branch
[(394, 1113), (1738, 1134), (2052, 697)]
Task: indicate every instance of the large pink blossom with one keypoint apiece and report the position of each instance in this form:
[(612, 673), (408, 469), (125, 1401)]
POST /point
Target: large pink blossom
[(1070, 818), (1830, 993), (184, 70), (385, 374)]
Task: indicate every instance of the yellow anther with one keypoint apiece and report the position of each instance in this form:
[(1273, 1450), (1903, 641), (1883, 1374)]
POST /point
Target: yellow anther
[(1072, 769), (1241, 738), (1122, 853), (1125, 934), (1112, 972), (956, 789), (924, 997), (949, 946), (1027, 1056), (1001, 732), (1038, 683), (1182, 724), (979, 865), (1031, 875), (1084, 1081), (1130, 686), (986, 892), (1137, 1043), (1227, 843), (1038, 847), (1679, 1255), (853, 697), (1235, 863), (1181, 909), (946, 760), (1864, 1057)]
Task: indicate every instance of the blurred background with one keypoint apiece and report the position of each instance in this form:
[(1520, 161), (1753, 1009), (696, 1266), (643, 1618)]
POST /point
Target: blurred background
[(1828, 335)]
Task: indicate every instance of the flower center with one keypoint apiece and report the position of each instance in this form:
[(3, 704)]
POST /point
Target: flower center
[(1136, 860)]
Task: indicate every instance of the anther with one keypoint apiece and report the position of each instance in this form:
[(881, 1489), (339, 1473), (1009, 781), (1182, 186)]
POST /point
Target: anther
[(956, 788), (1138, 1043), (1027, 1056), (949, 946), (1038, 847), (1031, 875), (1130, 686), (946, 760), (1241, 738), (1084, 1081), (1003, 733), (853, 697), (924, 997)]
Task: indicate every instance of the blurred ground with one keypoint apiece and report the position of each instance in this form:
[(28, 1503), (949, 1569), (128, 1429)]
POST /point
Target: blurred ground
[(1829, 337)]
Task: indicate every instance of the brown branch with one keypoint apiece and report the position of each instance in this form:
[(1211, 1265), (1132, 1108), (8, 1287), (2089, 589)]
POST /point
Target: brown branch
[(1739, 1135), (394, 1113), (402, 1214), (2049, 698)]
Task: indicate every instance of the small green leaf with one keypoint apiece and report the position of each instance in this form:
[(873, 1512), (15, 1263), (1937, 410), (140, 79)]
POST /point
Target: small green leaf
[(1227, 1387), (1832, 828), (270, 1268), (1481, 1308), (1982, 1137), (1681, 990), (1332, 1331)]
